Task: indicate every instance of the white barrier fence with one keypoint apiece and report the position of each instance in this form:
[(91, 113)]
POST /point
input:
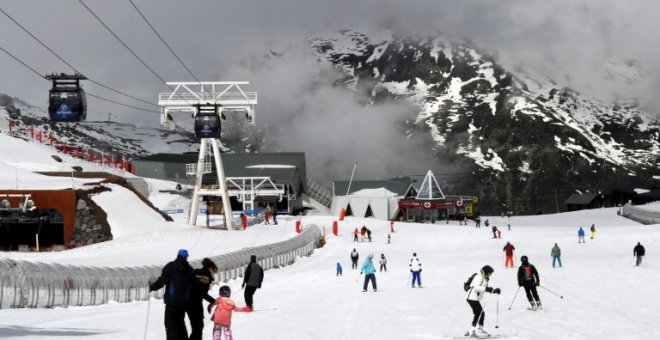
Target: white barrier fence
[(26, 284), (640, 215)]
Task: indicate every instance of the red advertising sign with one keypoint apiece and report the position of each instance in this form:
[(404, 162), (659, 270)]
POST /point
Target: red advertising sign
[(433, 204)]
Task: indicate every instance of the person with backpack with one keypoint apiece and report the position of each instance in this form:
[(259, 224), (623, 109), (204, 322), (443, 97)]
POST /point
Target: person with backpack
[(369, 273), (178, 275), (252, 280), (581, 235), (508, 251), (354, 259), (639, 251), (383, 263), (199, 291), (528, 278), (476, 287), (223, 312), (556, 255), (416, 270)]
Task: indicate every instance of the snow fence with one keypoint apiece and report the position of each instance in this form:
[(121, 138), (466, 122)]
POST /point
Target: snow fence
[(642, 216), (25, 284)]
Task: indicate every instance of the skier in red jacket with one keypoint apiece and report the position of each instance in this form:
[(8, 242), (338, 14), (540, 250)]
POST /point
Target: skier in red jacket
[(508, 251)]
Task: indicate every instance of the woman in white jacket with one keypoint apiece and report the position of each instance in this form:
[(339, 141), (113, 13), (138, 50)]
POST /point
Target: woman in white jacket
[(478, 288)]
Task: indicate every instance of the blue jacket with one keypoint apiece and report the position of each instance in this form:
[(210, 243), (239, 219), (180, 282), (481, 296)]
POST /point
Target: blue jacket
[(338, 267), (368, 266), (580, 232)]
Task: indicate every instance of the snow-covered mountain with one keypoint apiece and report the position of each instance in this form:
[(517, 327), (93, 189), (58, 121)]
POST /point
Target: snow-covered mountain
[(526, 140)]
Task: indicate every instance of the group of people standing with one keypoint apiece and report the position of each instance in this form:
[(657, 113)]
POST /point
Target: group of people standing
[(187, 288), (369, 270)]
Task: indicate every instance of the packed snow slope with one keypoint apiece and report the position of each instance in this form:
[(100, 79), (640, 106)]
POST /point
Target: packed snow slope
[(605, 297)]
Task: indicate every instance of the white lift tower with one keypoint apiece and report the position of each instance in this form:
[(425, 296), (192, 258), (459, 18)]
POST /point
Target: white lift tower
[(207, 101)]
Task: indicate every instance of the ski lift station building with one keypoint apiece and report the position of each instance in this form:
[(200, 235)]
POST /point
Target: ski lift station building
[(399, 199), (275, 179)]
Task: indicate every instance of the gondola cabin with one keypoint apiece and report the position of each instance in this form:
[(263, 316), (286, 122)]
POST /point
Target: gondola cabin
[(207, 122), (66, 100)]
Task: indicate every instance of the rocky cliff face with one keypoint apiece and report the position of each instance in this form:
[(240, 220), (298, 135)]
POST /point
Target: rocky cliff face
[(525, 144)]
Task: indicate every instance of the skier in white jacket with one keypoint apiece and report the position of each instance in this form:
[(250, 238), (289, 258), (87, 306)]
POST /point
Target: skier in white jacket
[(416, 270), (478, 288)]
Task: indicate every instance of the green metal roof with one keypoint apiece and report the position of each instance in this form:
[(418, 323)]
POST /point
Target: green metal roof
[(580, 199)]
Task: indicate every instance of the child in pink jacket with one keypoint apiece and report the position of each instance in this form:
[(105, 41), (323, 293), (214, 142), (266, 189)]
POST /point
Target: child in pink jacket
[(222, 314)]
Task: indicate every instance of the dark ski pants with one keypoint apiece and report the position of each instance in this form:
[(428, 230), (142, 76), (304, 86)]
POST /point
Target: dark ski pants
[(248, 294), (478, 312), (383, 267), (417, 276), (354, 263), (532, 294), (556, 259), (372, 278), (175, 324), (195, 313), (639, 260)]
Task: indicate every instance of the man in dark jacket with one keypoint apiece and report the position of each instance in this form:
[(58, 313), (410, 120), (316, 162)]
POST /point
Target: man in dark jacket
[(199, 291), (252, 279), (528, 277), (178, 276), (639, 251)]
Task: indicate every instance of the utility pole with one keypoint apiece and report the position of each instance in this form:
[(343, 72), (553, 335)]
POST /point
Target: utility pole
[(109, 114)]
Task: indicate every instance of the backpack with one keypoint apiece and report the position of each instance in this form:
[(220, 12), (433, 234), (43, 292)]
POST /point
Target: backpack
[(466, 284)]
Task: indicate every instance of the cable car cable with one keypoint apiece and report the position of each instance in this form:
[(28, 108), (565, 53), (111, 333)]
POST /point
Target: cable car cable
[(67, 63), (174, 54), (92, 95)]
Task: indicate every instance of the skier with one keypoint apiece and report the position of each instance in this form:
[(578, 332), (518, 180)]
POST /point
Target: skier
[(354, 259), (383, 263), (509, 225), (581, 235), (369, 273), (199, 291), (267, 215), (528, 278), (369, 234), (593, 231), (486, 223), (389, 238), (222, 314), (494, 229), (416, 270), (639, 251), (499, 233), (478, 287), (252, 279), (275, 216), (178, 276), (508, 251), (355, 235), (339, 270), (477, 222), (556, 255)]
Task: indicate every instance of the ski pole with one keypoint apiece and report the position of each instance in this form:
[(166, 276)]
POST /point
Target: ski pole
[(514, 297), (358, 277), (497, 313), (409, 277), (147, 322), (561, 297)]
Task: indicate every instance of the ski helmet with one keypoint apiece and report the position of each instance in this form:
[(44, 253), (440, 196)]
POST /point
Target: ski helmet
[(524, 259), (225, 291), (487, 270)]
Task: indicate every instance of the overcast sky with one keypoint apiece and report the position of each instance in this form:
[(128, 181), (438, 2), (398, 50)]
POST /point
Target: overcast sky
[(570, 41)]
